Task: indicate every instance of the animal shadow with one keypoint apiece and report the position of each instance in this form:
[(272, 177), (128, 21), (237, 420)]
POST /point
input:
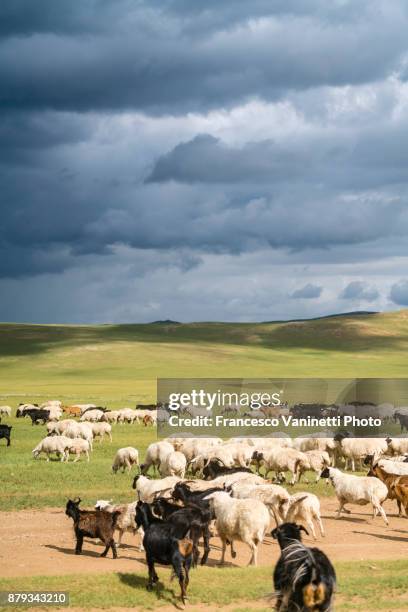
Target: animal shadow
[(138, 582)]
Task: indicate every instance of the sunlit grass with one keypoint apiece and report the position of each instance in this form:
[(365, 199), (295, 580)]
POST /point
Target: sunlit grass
[(363, 587)]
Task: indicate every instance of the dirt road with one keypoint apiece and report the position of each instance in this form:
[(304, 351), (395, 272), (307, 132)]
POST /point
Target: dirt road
[(41, 542)]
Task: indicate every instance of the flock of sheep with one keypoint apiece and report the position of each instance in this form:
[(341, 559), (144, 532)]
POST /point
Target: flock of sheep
[(233, 488)]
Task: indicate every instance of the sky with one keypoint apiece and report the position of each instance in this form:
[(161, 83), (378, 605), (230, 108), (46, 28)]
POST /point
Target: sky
[(173, 159)]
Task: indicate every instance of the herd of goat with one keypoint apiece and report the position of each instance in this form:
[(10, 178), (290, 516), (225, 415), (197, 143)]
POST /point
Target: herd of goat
[(233, 488)]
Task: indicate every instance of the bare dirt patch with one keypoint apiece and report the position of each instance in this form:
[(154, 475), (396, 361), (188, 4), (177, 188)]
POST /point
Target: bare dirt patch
[(41, 542)]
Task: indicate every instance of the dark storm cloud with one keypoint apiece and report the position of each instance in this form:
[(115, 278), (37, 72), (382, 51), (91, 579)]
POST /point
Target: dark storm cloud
[(308, 292), (359, 290), (399, 293), (175, 141), (149, 59), (207, 159)]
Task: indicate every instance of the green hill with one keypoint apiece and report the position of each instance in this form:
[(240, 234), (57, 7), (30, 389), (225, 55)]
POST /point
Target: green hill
[(120, 363)]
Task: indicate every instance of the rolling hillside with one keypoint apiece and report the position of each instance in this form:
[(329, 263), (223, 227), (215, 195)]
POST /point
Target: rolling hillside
[(118, 363)]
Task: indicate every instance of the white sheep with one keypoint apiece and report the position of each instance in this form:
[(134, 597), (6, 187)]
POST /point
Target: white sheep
[(396, 446), (358, 490), (148, 489), (355, 449), (80, 430), (304, 507), (398, 468), (193, 447), (59, 427), (246, 520), (92, 416), (281, 460), (316, 461), (275, 497), (76, 447), (128, 415), (83, 407), (155, 454), (125, 521), (5, 410), (320, 441), (125, 458), (174, 464), (100, 429), (111, 416), (53, 444)]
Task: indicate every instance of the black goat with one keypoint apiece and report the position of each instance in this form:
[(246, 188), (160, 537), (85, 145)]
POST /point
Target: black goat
[(36, 415), (164, 545), (215, 468), (196, 517), (5, 431), (92, 524), (403, 420), (183, 493), (304, 578)]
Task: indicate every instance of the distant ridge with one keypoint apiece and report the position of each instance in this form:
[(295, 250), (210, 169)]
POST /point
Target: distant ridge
[(353, 313), (165, 322)]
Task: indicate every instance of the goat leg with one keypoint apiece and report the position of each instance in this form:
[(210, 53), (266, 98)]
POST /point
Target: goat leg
[(206, 538), (79, 542)]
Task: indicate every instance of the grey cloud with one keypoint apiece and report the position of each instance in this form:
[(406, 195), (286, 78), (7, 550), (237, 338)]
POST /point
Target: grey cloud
[(207, 159), (399, 293), (359, 290), (308, 292), (149, 59)]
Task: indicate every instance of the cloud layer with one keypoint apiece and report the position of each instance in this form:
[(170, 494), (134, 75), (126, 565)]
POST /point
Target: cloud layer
[(235, 161)]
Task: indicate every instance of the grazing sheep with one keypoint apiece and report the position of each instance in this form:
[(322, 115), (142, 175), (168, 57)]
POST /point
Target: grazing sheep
[(128, 415), (5, 410), (281, 460), (358, 490), (316, 461), (58, 427), (92, 524), (100, 429), (354, 450), (111, 416), (80, 430), (148, 489), (246, 520), (125, 458), (304, 578), (53, 444), (92, 416), (155, 455), (76, 447), (174, 464), (125, 521), (305, 507)]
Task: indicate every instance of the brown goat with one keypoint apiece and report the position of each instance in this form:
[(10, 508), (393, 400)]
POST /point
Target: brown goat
[(72, 410), (401, 493), (92, 524), (390, 480)]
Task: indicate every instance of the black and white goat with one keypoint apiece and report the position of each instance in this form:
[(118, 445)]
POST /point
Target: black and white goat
[(304, 578)]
